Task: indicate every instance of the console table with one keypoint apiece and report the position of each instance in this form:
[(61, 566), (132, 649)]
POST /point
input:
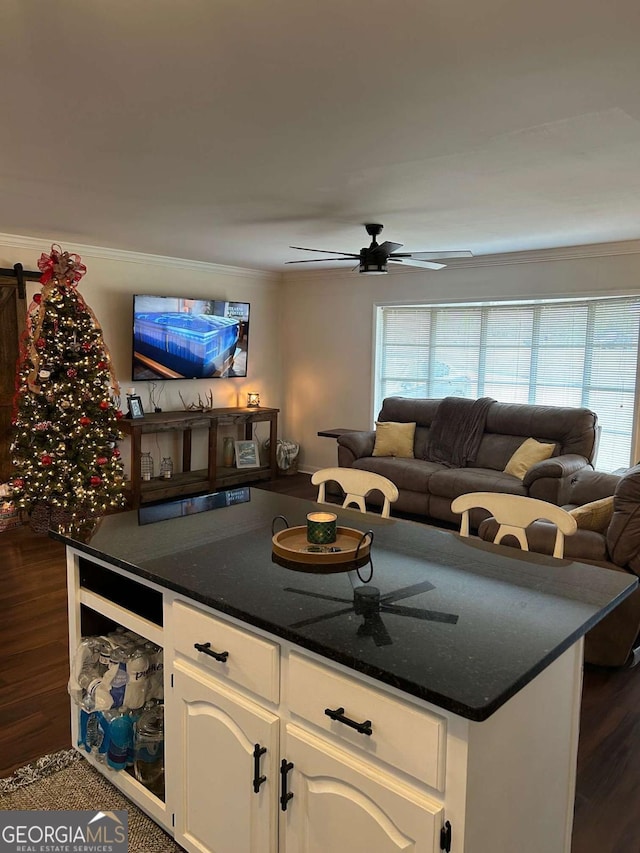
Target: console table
[(188, 482)]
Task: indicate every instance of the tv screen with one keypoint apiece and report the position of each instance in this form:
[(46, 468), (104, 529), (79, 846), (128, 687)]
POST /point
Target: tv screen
[(179, 338)]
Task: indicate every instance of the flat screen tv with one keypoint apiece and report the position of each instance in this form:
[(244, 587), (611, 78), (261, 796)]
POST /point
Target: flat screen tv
[(179, 338)]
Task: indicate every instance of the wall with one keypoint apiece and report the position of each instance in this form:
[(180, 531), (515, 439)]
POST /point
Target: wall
[(329, 322), (111, 279)]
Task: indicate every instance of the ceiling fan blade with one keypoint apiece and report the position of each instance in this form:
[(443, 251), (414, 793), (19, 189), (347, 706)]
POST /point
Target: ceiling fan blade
[(410, 262), (373, 626), (419, 613), (407, 591), (325, 251), (389, 247), (319, 260), (435, 255), (313, 620)]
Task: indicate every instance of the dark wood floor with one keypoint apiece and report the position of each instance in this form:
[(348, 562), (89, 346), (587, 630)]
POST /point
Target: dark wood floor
[(34, 707)]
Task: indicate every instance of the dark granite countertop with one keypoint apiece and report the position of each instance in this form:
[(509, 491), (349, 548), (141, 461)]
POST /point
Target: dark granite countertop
[(462, 623)]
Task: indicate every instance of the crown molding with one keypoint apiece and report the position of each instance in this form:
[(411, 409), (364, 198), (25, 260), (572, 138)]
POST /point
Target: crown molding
[(38, 245), (561, 253)]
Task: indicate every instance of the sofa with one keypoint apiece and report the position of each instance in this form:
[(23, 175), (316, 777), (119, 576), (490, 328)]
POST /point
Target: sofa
[(611, 541), (472, 460)]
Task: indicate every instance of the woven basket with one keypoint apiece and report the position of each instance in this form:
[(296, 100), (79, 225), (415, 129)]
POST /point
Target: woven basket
[(45, 517), (292, 469)]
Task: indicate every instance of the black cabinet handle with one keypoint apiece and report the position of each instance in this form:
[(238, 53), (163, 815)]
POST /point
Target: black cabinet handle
[(206, 648), (338, 715), (285, 767), (258, 752)]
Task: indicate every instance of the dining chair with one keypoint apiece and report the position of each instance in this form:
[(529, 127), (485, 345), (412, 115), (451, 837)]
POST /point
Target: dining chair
[(356, 484), (514, 513)]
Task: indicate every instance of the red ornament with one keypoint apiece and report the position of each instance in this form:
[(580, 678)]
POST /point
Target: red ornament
[(115, 452), (95, 480), (85, 421), (46, 459), (104, 404), (119, 415), (102, 365), (18, 483), (72, 372), (40, 343), (102, 460), (37, 298), (86, 346)]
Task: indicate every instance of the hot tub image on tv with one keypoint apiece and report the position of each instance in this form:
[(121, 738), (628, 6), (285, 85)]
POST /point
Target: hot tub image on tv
[(193, 345)]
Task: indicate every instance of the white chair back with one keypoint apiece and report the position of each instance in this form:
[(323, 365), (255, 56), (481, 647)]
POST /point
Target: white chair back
[(356, 484), (514, 513)]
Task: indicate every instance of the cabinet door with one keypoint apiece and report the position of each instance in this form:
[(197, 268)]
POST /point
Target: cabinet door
[(217, 808), (340, 803)]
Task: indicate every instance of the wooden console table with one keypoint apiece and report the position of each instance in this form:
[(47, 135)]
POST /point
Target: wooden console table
[(188, 482)]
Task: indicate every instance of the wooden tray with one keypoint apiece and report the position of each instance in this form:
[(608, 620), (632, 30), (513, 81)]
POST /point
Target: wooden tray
[(291, 550)]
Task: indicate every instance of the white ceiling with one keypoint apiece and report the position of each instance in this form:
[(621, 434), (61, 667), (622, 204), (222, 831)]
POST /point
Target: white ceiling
[(228, 130)]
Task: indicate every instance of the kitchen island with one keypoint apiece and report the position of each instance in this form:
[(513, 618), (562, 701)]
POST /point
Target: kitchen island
[(428, 701)]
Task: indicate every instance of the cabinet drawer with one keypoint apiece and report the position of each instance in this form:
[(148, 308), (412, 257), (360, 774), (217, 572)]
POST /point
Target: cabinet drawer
[(252, 662), (404, 736)]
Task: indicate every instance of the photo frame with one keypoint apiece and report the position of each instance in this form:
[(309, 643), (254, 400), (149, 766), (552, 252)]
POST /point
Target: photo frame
[(134, 405), (247, 455)]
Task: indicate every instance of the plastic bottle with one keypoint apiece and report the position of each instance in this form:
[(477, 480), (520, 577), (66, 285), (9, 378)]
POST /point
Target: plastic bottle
[(149, 749), (155, 678), (86, 672), (135, 692), (120, 735)]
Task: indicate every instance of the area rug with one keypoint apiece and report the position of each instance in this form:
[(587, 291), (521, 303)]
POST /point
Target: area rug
[(64, 780)]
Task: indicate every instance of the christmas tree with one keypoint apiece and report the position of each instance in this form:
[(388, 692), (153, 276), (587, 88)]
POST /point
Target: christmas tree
[(64, 447)]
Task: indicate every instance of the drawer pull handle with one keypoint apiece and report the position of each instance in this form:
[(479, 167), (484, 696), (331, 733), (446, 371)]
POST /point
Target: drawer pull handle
[(258, 752), (338, 715), (285, 767), (206, 648)]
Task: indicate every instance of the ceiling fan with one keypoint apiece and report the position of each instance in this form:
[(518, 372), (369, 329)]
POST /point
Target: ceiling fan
[(373, 259), (370, 603)]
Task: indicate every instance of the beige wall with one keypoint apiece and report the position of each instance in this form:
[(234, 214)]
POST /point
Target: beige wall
[(329, 321), (311, 333), (110, 281)]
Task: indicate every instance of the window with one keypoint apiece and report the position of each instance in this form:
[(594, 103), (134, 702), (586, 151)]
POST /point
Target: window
[(579, 352)]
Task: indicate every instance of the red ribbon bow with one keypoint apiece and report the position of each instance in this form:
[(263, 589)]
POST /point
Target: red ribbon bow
[(63, 266)]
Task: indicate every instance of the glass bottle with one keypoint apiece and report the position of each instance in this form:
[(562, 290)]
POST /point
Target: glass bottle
[(166, 468), (146, 465), (148, 763)]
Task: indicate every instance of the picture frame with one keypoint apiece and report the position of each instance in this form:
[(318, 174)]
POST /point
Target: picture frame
[(247, 455), (134, 405)]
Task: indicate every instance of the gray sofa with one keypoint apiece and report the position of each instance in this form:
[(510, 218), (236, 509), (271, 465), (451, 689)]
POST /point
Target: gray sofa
[(616, 640), (427, 488)]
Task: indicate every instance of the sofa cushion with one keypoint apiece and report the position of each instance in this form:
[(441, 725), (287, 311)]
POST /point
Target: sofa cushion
[(541, 536), (595, 515), (526, 456), (451, 482), (412, 475), (394, 439)]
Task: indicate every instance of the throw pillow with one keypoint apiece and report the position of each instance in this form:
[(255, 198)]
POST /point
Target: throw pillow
[(529, 452), (596, 515), (394, 439)]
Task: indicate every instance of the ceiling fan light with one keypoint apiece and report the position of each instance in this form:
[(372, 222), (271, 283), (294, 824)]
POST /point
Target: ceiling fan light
[(372, 268)]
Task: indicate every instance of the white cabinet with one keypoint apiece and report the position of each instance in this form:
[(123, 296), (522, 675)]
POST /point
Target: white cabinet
[(228, 785), (340, 803), (325, 781)]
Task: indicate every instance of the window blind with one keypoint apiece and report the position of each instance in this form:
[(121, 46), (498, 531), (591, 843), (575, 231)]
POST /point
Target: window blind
[(581, 352)]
